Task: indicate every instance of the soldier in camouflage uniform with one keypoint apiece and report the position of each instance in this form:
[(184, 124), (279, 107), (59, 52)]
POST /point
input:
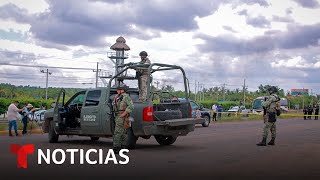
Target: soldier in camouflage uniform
[(122, 106), (143, 76), (270, 105)]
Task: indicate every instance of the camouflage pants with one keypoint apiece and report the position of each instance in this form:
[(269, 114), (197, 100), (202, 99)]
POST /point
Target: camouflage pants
[(265, 118), (120, 134), (269, 126), (143, 87)]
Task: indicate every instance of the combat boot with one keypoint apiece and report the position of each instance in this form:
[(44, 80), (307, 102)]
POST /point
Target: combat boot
[(272, 141), (263, 142)]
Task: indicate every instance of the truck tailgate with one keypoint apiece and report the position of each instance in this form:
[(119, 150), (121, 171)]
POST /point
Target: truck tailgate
[(179, 122)]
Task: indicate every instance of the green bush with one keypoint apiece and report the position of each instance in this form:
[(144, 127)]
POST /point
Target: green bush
[(4, 103), (37, 103), (225, 104)]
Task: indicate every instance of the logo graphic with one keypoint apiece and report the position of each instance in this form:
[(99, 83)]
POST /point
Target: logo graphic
[(22, 152)]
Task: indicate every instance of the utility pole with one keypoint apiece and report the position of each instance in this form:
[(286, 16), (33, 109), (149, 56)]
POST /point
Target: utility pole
[(97, 74), (157, 83), (198, 91), (202, 92), (302, 97), (195, 90), (223, 89), (244, 92), (97, 71), (47, 74)]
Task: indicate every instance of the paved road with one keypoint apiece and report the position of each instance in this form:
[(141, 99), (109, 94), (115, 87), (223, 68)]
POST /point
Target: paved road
[(224, 150)]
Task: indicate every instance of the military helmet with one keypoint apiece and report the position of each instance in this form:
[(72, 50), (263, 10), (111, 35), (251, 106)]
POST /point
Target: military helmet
[(143, 53), (122, 86), (272, 89)]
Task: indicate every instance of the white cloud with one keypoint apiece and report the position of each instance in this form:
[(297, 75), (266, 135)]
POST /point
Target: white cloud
[(13, 26), (173, 41), (33, 6), (296, 62), (227, 16)]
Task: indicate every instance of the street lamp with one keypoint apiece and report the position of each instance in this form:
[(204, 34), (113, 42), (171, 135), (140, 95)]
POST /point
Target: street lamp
[(48, 73)]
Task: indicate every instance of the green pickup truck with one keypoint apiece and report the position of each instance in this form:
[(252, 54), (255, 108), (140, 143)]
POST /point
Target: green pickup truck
[(89, 112)]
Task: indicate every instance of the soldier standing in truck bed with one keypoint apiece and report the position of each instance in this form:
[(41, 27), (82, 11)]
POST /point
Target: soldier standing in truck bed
[(143, 76)]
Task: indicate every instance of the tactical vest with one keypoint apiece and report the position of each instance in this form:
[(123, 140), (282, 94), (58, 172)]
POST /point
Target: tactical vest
[(144, 71), (275, 104), (120, 104)]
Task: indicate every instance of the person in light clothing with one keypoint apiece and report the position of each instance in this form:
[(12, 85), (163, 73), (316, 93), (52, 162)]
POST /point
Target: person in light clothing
[(12, 117), (214, 112)]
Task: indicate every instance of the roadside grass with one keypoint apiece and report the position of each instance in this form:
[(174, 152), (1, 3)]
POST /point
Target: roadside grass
[(239, 118), (257, 117), (5, 126)]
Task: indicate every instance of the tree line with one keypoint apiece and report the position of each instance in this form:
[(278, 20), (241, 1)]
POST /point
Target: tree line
[(36, 96), (30, 94)]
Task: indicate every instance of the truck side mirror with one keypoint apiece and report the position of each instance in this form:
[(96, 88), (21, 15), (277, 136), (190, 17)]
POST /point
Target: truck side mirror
[(201, 107)]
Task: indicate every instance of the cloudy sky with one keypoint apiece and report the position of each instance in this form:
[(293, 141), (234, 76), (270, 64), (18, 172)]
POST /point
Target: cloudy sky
[(217, 42)]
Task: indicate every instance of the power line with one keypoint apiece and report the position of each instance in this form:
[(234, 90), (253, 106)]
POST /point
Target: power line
[(56, 67), (39, 56), (29, 75), (51, 81)]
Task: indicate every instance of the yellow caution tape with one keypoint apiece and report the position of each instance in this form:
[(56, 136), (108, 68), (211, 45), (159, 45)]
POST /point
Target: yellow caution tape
[(282, 114)]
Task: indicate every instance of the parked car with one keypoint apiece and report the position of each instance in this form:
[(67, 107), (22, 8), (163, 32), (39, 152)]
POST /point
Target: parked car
[(39, 115), (36, 116), (238, 110), (205, 113)]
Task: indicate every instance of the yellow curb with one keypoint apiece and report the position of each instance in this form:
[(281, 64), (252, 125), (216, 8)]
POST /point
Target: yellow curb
[(36, 131)]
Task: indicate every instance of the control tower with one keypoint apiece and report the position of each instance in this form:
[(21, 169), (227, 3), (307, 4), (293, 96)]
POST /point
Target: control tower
[(118, 55)]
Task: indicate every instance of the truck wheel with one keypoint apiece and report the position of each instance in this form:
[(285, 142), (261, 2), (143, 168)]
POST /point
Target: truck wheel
[(165, 140), (94, 138), (132, 139), (206, 121), (53, 136)]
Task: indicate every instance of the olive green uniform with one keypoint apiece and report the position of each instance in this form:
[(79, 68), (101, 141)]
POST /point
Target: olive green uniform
[(270, 118), (143, 80), (121, 103)]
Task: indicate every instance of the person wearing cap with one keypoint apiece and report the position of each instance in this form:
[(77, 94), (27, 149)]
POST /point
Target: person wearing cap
[(143, 76), (122, 106), (27, 114), (12, 117), (270, 104)]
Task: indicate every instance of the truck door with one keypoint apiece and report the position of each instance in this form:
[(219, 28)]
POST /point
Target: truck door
[(58, 109), (90, 116)]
